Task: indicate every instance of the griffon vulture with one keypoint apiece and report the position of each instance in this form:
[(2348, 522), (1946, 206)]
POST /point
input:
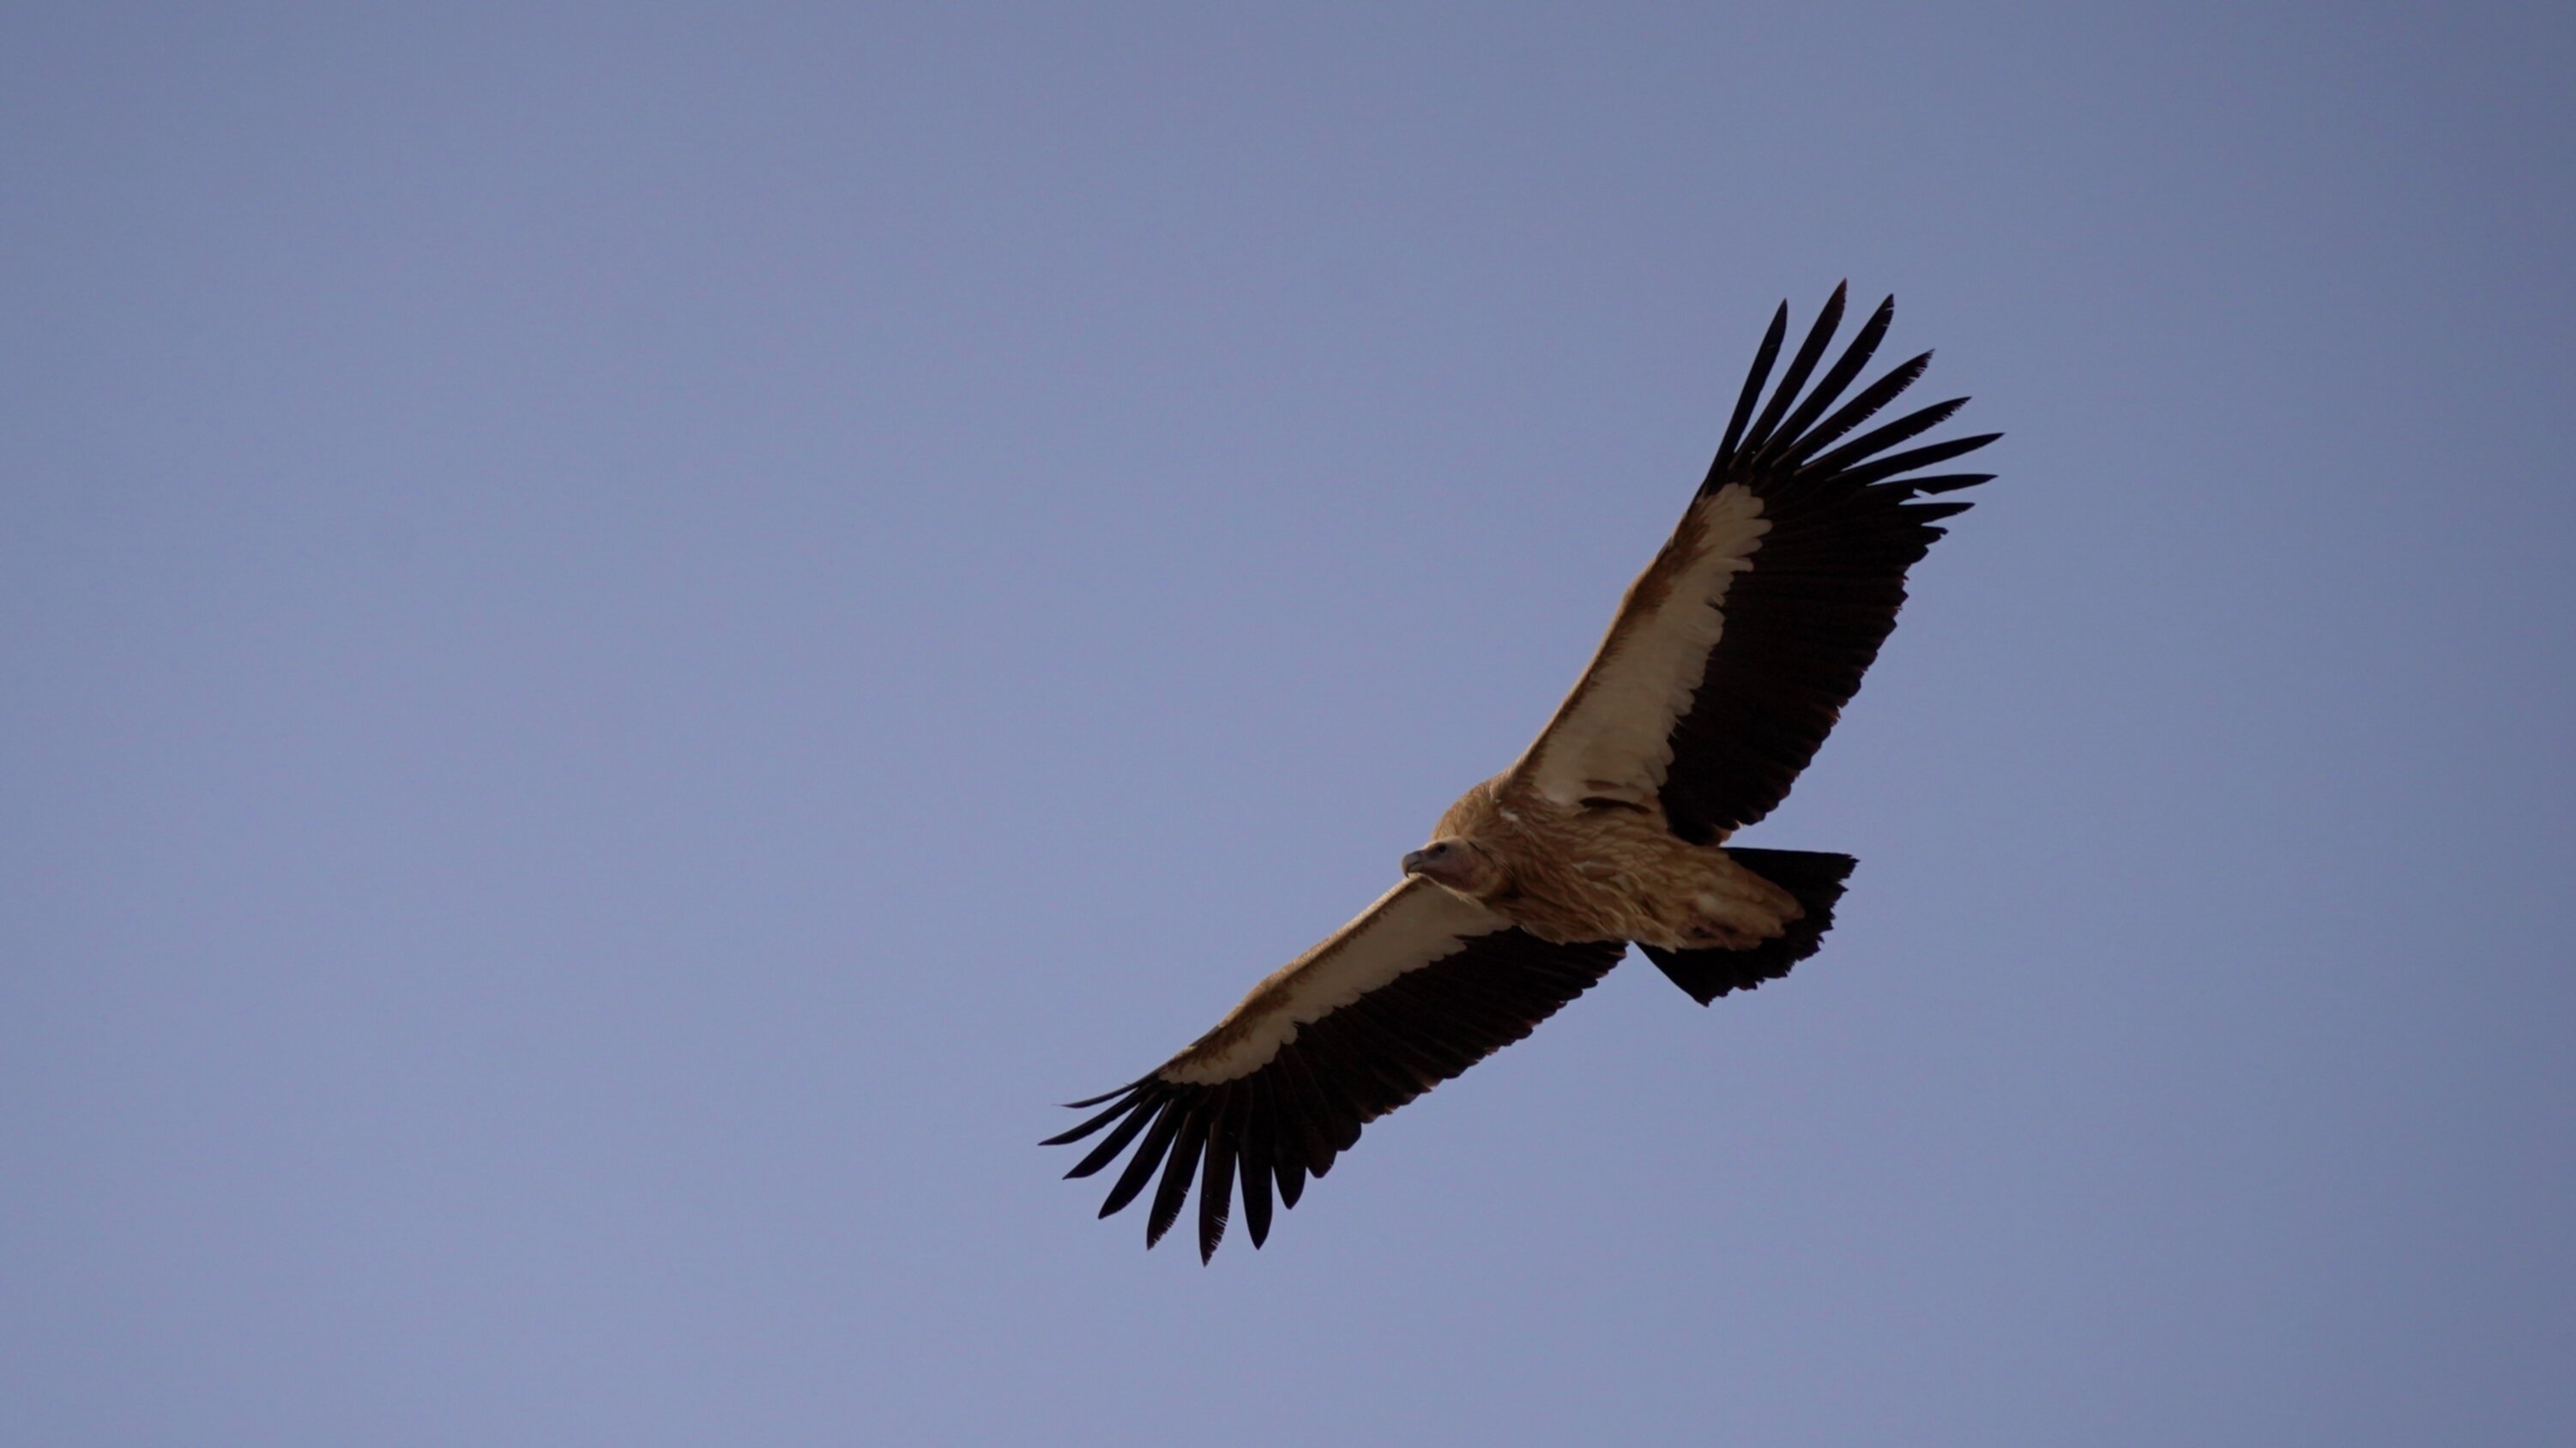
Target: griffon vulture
[(1727, 663)]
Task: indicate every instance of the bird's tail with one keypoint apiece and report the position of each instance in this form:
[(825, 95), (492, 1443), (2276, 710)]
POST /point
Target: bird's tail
[(1815, 879)]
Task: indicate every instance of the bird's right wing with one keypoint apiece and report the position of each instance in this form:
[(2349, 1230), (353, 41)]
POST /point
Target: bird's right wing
[(1422, 985)]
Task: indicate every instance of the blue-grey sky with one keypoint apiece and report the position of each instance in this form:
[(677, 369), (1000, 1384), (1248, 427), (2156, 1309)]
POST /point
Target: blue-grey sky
[(633, 634)]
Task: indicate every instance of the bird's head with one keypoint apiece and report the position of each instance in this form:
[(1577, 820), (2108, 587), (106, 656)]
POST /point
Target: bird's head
[(1453, 861)]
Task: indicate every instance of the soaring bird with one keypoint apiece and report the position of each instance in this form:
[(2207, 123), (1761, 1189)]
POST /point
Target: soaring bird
[(1730, 658)]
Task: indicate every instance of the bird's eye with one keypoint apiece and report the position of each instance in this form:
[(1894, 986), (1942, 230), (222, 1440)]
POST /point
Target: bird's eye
[(1436, 851)]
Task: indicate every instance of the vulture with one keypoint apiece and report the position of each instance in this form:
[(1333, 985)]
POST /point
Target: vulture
[(1727, 663)]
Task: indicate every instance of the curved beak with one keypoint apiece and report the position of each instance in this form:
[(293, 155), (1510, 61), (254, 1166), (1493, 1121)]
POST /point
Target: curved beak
[(1413, 863)]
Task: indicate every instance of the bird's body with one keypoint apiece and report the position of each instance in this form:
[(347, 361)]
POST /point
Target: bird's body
[(1727, 663), (1606, 871)]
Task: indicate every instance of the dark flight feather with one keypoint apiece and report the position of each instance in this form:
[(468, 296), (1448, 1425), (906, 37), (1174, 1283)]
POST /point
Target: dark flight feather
[(1350, 1066)]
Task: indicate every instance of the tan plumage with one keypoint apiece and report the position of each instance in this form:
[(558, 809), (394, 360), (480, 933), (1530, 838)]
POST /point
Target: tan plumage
[(1728, 661)]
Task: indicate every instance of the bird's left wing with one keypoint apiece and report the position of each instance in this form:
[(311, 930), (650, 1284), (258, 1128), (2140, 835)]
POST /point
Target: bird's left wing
[(1422, 985), (1736, 650)]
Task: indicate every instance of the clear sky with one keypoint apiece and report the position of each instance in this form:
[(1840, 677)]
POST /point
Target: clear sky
[(633, 634)]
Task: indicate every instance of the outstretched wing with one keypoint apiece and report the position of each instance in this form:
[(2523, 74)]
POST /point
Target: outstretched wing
[(1423, 985), (1734, 652)]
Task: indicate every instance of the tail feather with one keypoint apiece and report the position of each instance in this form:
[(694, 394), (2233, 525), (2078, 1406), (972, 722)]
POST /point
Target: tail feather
[(1816, 880)]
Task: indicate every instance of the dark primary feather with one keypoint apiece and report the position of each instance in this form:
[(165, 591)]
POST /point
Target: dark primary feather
[(1180, 1166), (1109, 1146), (1168, 1112), (1862, 407), (1094, 1124), (1806, 619), (1257, 1134), (1763, 356), (1269, 1130), (1864, 345), (1881, 439), (1799, 366), (1216, 1183)]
